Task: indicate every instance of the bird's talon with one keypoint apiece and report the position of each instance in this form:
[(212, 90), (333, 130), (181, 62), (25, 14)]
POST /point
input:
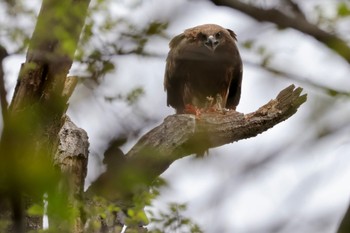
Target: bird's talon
[(190, 109)]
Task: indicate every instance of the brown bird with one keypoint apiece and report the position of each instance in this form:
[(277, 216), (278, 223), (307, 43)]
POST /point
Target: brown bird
[(203, 65)]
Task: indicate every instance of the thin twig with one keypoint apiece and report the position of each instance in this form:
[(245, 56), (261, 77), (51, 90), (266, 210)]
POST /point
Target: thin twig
[(328, 90)]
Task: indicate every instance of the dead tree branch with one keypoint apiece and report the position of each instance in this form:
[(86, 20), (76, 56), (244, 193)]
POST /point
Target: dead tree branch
[(182, 135), (72, 158), (296, 22)]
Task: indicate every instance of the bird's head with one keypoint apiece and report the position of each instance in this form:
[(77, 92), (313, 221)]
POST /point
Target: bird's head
[(204, 41), (211, 36), (210, 41)]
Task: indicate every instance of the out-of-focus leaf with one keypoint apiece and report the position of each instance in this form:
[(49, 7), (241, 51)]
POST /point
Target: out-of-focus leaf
[(172, 220), (108, 66), (113, 208), (248, 44), (134, 95), (343, 9), (36, 210), (156, 28)]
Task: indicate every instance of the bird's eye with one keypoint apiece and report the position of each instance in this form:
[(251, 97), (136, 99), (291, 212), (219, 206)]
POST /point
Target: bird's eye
[(202, 37), (218, 35)]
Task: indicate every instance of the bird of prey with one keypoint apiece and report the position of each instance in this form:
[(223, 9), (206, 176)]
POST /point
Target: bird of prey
[(203, 70)]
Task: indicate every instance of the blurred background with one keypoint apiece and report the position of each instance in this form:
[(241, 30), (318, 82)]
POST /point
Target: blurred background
[(292, 178)]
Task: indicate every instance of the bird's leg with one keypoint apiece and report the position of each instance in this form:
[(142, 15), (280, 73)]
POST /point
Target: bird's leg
[(219, 104), (216, 106), (209, 103), (208, 107)]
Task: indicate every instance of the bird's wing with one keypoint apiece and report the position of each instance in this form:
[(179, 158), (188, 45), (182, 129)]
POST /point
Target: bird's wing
[(235, 86), (174, 76)]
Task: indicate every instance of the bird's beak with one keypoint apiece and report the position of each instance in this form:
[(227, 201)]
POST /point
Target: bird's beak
[(211, 43)]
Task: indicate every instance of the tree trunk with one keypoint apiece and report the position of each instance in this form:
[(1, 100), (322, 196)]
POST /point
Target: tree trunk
[(30, 135)]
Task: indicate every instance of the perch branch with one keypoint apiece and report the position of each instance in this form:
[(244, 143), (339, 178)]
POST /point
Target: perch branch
[(296, 22), (181, 135)]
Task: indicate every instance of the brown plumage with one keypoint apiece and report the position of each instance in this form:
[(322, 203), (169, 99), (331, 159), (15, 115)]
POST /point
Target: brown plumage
[(203, 63)]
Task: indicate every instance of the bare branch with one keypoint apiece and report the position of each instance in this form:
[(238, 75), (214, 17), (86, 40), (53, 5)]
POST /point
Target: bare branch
[(295, 8), (277, 17), (301, 79), (181, 135)]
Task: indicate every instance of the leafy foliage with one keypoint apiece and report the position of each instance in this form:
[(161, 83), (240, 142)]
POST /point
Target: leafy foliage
[(106, 36), (14, 34), (173, 220), (343, 9)]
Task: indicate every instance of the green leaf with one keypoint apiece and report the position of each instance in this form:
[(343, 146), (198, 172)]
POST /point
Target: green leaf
[(248, 44), (343, 9), (36, 210), (156, 28), (108, 66), (134, 95)]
